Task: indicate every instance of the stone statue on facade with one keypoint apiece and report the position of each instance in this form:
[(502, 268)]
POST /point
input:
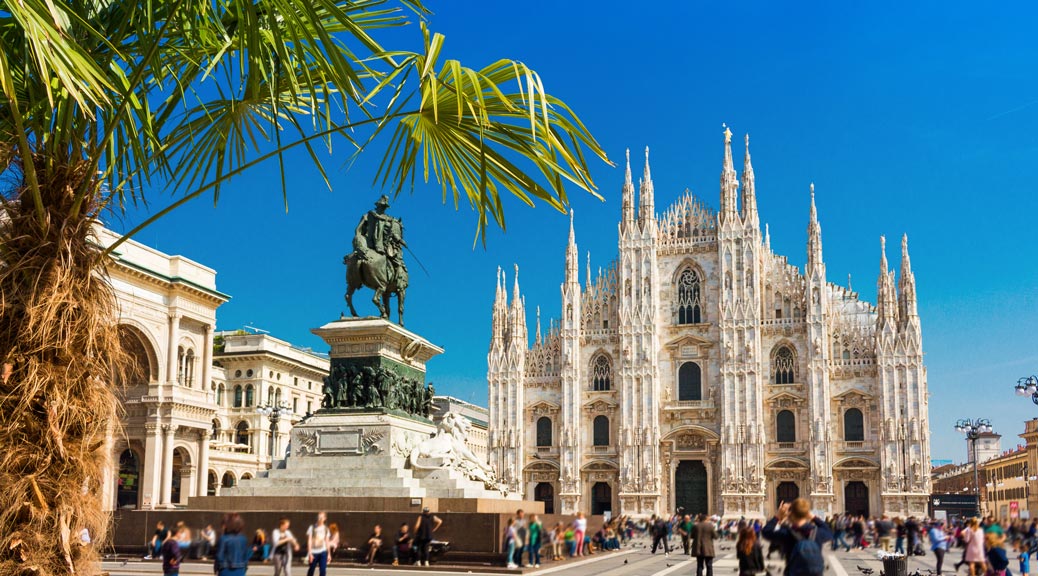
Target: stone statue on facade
[(377, 260)]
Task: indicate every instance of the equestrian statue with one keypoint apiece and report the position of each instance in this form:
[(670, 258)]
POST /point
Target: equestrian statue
[(377, 260)]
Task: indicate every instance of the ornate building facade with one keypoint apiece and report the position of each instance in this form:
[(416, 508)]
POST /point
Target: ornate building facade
[(190, 424), (702, 371)]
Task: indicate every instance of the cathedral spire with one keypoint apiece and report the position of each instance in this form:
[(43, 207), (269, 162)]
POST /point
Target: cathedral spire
[(814, 237), (729, 183), (646, 208), (517, 315), (537, 337), (499, 317), (572, 259), (906, 287), (749, 189), (627, 195), (587, 276), (767, 238), (886, 297)]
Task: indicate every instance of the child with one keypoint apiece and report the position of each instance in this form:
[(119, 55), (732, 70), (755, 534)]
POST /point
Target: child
[(557, 542), (571, 541), (1024, 557)]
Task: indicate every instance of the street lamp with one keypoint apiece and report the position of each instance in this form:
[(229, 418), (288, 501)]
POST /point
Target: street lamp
[(1028, 385), (274, 412), (972, 429)]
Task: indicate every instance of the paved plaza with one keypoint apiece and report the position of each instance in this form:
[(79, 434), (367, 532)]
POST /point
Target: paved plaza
[(634, 560)]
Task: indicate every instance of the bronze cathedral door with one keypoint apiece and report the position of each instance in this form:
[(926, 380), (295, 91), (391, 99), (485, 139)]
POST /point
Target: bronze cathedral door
[(690, 487)]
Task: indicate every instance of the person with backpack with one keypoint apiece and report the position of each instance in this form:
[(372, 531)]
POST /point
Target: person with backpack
[(801, 535), (703, 534)]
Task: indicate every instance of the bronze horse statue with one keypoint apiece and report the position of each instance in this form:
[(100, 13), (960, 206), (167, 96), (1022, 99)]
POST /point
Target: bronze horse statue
[(381, 274)]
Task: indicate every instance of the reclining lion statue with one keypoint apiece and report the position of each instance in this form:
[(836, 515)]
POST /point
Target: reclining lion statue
[(447, 449)]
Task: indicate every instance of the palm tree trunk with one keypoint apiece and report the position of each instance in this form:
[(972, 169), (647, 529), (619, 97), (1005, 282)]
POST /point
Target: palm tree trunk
[(57, 403)]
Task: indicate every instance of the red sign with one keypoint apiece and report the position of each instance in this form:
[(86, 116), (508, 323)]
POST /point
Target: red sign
[(1014, 509)]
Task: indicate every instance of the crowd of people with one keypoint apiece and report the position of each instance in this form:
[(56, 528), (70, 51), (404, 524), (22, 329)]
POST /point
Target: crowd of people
[(527, 537), (231, 551)]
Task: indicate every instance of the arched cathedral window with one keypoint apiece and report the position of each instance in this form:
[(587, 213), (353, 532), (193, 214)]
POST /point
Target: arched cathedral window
[(690, 305), (690, 382), (784, 366), (601, 374)]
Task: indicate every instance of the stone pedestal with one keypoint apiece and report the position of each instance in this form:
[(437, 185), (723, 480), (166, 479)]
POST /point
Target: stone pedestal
[(369, 451)]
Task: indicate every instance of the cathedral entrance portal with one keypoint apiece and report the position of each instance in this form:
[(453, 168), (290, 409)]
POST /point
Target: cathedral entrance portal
[(856, 498), (601, 498), (690, 487)]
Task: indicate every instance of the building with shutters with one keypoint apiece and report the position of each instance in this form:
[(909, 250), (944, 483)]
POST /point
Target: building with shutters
[(700, 370)]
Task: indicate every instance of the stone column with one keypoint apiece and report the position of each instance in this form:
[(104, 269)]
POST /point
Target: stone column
[(108, 476), (207, 359), (167, 465), (188, 484), (151, 475), (203, 464), (171, 356)]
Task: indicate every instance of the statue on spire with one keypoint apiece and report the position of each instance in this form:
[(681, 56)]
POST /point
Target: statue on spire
[(728, 134)]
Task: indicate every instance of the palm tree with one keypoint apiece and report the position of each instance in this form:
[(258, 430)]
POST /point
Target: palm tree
[(104, 101)]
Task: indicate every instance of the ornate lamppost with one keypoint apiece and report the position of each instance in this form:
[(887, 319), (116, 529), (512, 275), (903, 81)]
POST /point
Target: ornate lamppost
[(274, 412), (1028, 386), (972, 429)]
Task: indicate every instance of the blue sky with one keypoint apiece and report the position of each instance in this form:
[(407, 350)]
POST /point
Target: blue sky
[(918, 118)]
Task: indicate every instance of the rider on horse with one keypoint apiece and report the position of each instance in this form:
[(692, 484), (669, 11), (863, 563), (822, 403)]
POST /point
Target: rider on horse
[(376, 233)]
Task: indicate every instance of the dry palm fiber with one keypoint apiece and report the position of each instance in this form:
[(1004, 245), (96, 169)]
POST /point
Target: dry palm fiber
[(58, 405)]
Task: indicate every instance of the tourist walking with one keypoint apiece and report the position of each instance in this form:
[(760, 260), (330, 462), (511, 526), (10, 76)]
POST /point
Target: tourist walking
[(317, 545), (520, 537), (424, 527), (685, 531), (800, 534), (899, 533), (973, 555), (402, 545), (996, 554), (703, 545), (658, 530), (232, 549), (579, 529), (1024, 556), (938, 543), (171, 555), (285, 544), (509, 546), (747, 548), (912, 536), (534, 532)]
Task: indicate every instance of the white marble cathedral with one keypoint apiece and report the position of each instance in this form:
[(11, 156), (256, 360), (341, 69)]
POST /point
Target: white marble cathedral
[(703, 371)]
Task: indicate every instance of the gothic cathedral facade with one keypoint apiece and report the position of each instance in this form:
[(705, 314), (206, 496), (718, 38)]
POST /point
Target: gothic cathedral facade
[(701, 371)]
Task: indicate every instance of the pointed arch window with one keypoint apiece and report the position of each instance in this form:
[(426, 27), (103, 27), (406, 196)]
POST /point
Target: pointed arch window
[(544, 431), (786, 426), (690, 382), (601, 431), (601, 374), (690, 305), (784, 366), (853, 425)]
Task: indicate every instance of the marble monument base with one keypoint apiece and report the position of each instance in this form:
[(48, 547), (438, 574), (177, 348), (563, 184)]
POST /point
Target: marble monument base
[(362, 453)]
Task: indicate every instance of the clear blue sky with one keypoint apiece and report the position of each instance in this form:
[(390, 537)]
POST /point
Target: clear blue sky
[(909, 117)]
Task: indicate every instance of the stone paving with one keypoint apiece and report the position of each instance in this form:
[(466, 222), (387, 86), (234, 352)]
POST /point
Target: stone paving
[(634, 560)]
